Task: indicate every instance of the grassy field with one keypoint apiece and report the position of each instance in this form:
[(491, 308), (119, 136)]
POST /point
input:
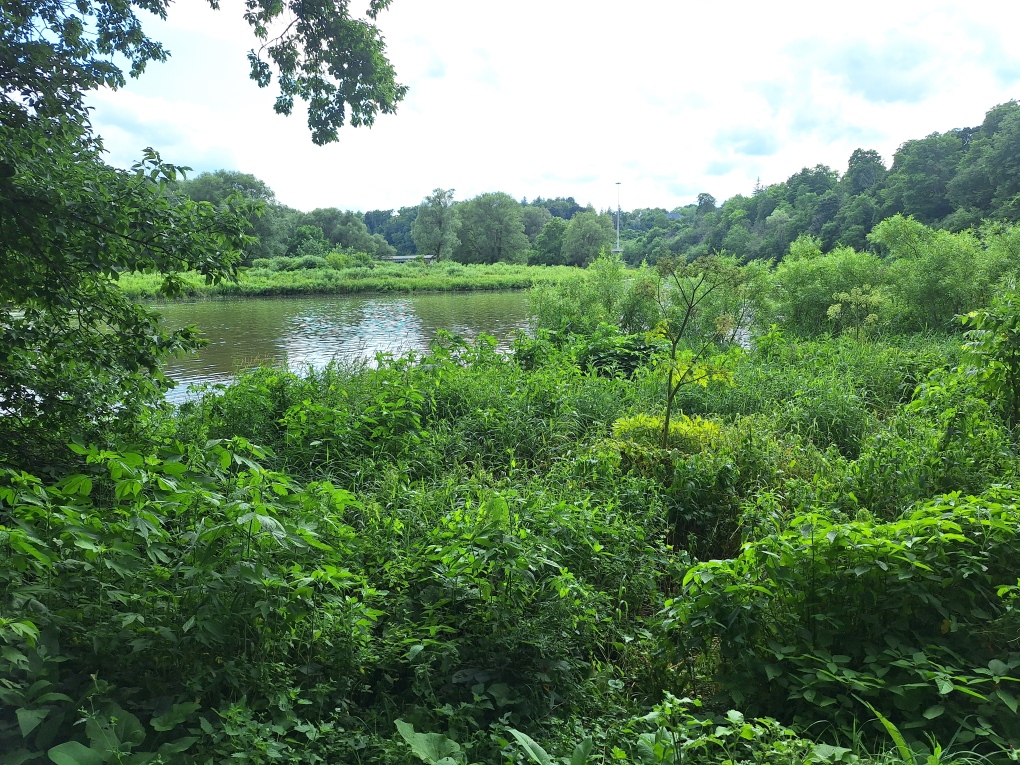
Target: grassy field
[(389, 277)]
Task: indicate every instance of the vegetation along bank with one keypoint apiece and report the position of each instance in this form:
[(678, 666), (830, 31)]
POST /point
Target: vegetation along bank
[(628, 540)]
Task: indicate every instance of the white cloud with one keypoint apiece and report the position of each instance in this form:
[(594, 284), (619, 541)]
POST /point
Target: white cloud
[(566, 98)]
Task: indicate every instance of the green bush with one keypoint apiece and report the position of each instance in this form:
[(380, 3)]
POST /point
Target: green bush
[(806, 622), (686, 434)]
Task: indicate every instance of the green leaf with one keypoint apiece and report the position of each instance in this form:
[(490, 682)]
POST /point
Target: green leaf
[(431, 748), (178, 713), (74, 753), (78, 484), (581, 752), (998, 668), (29, 719), (529, 745), (178, 746), (933, 711), (1008, 699), (906, 754)]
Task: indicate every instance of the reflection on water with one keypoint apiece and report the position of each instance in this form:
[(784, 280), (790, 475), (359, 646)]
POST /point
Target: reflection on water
[(310, 331)]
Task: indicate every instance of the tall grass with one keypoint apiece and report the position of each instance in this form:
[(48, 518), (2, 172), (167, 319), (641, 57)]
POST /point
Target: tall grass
[(383, 277)]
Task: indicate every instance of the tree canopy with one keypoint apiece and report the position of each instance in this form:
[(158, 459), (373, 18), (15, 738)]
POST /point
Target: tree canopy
[(55, 50), (492, 230), (435, 229)]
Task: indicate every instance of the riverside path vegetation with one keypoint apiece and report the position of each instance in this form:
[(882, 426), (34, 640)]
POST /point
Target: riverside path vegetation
[(315, 276), (806, 551)]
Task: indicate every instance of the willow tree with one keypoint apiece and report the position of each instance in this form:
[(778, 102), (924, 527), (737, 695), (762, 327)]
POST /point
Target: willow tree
[(435, 228)]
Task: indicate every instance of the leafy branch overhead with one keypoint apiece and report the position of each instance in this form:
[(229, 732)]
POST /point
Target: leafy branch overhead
[(325, 57), (55, 51)]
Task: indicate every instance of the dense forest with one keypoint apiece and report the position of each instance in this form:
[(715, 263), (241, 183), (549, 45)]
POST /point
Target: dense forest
[(748, 505)]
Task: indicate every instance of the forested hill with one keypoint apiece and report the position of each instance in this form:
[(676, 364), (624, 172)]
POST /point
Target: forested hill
[(953, 180)]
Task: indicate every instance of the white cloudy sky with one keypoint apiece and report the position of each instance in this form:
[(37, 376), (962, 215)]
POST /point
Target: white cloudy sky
[(567, 97)]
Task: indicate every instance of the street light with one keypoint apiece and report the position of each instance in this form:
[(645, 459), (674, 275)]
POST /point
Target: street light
[(617, 251)]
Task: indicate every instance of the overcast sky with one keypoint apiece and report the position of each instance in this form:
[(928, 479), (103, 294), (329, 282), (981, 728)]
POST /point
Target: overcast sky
[(567, 97)]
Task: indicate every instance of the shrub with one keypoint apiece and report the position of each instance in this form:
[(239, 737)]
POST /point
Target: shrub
[(807, 622), (688, 435)]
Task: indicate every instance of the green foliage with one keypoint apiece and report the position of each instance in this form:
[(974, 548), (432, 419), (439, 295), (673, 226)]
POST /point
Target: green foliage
[(935, 275), (492, 230), (674, 732), (686, 434), (159, 579), (604, 293), (857, 310), (807, 281), (681, 294), (435, 228), (76, 354), (347, 274), (811, 618), (548, 249), (53, 61), (585, 236), (993, 350)]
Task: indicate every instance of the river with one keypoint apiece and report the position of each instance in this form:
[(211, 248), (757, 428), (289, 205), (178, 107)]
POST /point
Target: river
[(299, 332)]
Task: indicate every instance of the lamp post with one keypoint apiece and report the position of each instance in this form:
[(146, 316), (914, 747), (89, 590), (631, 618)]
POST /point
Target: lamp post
[(617, 251)]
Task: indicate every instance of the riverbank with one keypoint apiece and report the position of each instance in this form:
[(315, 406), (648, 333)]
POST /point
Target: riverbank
[(382, 278)]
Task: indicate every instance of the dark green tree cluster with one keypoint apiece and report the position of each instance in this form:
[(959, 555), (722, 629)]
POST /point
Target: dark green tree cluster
[(279, 230), (490, 228), (951, 180), (394, 227), (495, 228)]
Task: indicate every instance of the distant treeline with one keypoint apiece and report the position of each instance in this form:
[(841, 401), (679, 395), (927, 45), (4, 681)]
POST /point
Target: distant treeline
[(952, 180), (490, 228)]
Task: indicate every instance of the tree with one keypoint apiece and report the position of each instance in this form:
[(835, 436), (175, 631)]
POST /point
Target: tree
[(586, 234), (993, 350), (920, 176), (308, 240), (681, 293), (55, 50), (549, 244), (492, 230), (864, 171), (560, 207), (75, 354), (535, 219), (706, 203), (435, 228), (343, 228), (395, 228), (215, 187), (272, 224)]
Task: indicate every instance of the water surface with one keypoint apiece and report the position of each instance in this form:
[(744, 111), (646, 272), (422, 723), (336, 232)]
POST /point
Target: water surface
[(302, 332)]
